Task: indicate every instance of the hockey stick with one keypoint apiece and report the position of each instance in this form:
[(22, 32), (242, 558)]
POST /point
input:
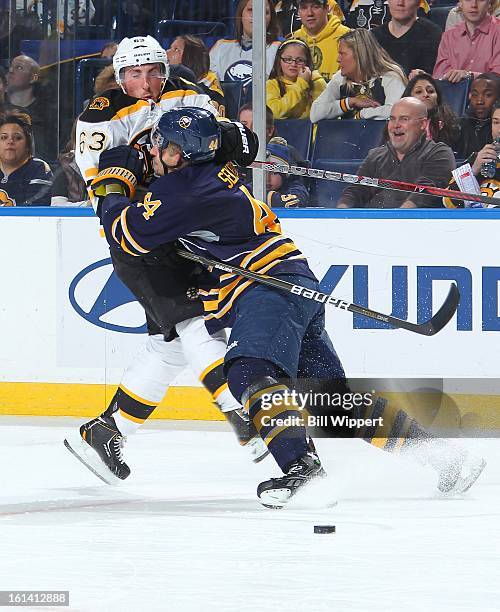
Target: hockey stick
[(381, 183), (428, 328)]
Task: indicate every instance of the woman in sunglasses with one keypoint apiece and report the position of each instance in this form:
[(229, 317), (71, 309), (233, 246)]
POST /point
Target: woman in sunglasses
[(293, 85)]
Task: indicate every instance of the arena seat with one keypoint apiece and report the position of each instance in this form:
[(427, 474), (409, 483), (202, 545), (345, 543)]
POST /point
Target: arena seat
[(347, 139), (324, 193), (86, 71), (209, 31), (297, 132), (439, 14), (456, 94), (233, 91)]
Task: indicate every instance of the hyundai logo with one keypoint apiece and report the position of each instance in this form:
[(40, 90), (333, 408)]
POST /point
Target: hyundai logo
[(112, 295)]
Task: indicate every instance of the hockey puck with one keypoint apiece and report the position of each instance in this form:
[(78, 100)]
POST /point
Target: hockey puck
[(324, 528)]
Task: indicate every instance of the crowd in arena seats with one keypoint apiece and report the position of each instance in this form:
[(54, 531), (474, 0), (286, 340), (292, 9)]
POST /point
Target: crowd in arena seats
[(488, 179), (327, 62)]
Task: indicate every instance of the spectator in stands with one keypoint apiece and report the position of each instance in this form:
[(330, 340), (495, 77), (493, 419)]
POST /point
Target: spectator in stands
[(24, 94), (475, 127), (21, 83), (284, 191), (109, 49), (321, 31), (245, 116), (443, 124), (455, 15), (408, 156), (190, 51), (231, 60), (371, 14), (367, 84), (3, 88), (24, 180), (410, 41), (288, 14), (293, 84), (104, 80), (471, 47), (69, 187), (488, 185)]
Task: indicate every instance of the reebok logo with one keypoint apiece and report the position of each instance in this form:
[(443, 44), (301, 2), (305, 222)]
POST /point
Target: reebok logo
[(232, 346)]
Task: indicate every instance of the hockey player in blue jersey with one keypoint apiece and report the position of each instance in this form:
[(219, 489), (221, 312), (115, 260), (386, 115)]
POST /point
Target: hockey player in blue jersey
[(274, 335)]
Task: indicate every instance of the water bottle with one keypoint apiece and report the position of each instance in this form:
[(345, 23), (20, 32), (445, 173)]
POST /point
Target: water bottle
[(489, 169)]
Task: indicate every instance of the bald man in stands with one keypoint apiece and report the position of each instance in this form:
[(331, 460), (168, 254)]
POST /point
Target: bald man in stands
[(24, 95), (407, 156)]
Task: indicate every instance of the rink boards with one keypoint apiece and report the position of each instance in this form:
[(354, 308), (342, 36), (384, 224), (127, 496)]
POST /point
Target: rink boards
[(68, 326)]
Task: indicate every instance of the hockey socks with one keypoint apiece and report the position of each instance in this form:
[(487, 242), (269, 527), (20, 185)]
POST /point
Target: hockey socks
[(214, 380), (129, 411), (278, 420), (398, 432)]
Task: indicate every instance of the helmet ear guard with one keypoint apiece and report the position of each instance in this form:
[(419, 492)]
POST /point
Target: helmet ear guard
[(195, 130), (139, 51)]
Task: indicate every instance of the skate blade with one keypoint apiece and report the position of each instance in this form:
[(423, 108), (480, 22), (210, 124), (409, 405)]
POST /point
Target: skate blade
[(464, 483), (275, 499), (90, 459), (258, 450)]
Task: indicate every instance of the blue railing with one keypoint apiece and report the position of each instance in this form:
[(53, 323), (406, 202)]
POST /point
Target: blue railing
[(290, 213)]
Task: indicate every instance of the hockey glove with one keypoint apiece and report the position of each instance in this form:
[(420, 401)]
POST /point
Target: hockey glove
[(286, 200), (238, 144), (120, 169)]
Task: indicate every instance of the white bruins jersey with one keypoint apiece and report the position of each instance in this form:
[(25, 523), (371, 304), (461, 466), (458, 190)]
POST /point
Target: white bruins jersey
[(113, 118)]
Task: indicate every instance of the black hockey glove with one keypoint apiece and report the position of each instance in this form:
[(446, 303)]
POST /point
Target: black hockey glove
[(120, 169), (238, 144)]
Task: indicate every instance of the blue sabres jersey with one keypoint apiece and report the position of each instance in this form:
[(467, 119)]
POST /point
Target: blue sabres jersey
[(29, 185), (212, 213)]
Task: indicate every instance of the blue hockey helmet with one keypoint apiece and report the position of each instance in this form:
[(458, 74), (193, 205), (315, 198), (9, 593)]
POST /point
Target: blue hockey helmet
[(195, 130)]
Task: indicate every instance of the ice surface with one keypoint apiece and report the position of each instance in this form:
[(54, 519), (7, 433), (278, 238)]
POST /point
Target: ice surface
[(186, 533)]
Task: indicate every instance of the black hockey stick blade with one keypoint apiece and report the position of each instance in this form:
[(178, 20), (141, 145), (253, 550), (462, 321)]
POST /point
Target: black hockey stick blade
[(428, 328), (444, 315)]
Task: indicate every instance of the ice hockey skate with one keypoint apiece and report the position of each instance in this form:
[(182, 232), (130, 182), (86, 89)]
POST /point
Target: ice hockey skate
[(460, 474), (98, 445), (276, 492), (247, 435)]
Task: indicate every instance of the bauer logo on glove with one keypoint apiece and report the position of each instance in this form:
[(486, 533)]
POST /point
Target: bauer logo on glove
[(120, 169)]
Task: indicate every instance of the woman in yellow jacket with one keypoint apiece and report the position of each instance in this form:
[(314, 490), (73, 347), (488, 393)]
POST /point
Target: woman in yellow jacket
[(293, 85)]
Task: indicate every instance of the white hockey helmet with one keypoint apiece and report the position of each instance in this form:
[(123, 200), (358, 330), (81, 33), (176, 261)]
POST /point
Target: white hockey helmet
[(138, 51)]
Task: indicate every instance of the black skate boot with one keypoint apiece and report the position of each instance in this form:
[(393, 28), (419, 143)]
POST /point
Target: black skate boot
[(276, 492), (99, 447), (247, 435)]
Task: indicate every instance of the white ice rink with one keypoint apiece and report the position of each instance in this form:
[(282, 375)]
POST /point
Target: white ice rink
[(186, 533)]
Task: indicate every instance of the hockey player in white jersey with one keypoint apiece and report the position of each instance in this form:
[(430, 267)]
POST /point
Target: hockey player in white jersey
[(162, 285)]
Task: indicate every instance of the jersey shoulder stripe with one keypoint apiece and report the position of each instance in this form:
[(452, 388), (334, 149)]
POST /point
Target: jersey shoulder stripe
[(177, 84)]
